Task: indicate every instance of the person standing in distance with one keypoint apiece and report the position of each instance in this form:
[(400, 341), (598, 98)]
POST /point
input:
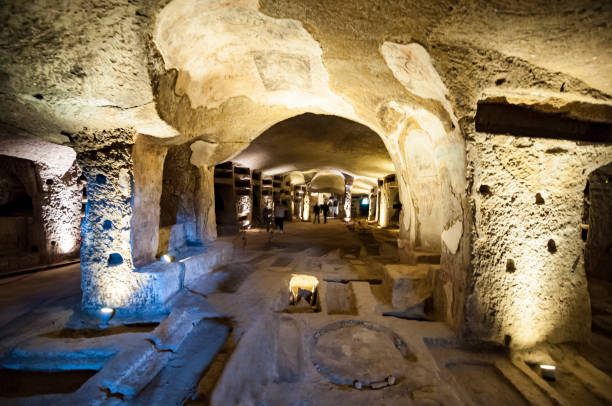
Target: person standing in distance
[(317, 216), (325, 209), (280, 212)]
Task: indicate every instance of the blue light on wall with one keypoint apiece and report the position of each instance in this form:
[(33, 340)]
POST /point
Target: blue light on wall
[(365, 201)]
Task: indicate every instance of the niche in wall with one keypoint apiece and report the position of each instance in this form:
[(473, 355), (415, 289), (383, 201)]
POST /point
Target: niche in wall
[(177, 218), (597, 224), (16, 214)]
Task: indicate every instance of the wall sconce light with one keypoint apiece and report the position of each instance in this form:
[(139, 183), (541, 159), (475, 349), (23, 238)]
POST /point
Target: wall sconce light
[(166, 258), (548, 372), (106, 313)]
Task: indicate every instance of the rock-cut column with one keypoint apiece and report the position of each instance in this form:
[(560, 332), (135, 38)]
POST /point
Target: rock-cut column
[(378, 200), (306, 203), (106, 255), (109, 276), (386, 203), (372, 205), (205, 204), (348, 187)]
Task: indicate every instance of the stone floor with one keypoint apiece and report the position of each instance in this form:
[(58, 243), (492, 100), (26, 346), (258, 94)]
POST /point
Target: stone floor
[(246, 345)]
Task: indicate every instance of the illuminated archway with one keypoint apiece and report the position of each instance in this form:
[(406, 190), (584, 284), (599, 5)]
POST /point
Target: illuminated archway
[(242, 81)]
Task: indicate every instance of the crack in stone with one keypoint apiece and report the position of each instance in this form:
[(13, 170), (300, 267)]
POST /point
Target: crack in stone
[(112, 106), (154, 344)]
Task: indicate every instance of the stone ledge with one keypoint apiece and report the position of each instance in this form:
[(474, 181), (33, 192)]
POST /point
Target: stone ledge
[(566, 104), (544, 115), (161, 282), (198, 263)]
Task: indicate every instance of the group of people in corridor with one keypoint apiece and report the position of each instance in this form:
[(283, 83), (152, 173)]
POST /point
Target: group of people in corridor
[(279, 213)]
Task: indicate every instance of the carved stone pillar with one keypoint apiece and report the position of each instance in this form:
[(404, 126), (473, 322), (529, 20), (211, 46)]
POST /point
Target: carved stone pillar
[(348, 187), (206, 220), (378, 200), (372, 205), (109, 276), (107, 279), (306, 204)]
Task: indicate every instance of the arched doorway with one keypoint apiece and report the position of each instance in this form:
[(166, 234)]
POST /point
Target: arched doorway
[(323, 159), (18, 234)]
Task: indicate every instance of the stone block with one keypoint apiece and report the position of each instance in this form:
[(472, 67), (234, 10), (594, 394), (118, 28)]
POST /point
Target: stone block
[(408, 285), (201, 261), (160, 281)]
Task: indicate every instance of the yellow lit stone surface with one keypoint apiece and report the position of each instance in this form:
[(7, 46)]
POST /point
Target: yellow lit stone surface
[(209, 77)]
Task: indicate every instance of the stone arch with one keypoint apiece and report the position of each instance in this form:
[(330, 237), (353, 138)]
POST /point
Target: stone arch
[(269, 84), (407, 106), (218, 116)]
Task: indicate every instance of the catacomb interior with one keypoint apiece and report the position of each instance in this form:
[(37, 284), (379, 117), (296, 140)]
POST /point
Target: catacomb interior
[(306, 202)]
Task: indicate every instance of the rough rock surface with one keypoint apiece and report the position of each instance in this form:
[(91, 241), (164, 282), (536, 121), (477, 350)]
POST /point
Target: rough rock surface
[(108, 279), (412, 72), (598, 250), (205, 204), (521, 288), (148, 163)]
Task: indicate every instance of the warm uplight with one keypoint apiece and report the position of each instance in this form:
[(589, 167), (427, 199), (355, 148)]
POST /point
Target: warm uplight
[(106, 313), (166, 258), (300, 282), (66, 240), (548, 372)]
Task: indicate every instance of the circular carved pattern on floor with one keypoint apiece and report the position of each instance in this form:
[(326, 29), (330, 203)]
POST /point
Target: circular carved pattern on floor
[(354, 350)]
